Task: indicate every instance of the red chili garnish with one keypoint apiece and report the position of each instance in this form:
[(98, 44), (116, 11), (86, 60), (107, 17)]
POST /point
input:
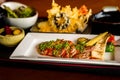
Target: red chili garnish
[(8, 30)]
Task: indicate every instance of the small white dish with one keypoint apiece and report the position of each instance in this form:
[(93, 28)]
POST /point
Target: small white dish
[(20, 22)]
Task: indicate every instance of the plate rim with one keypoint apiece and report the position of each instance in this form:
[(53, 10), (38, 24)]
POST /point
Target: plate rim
[(31, 36)]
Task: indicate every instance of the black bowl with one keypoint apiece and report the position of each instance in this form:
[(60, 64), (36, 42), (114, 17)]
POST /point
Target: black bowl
[(107, 19), (3, 17)]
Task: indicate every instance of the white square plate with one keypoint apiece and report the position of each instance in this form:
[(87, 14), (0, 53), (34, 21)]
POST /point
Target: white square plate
[(26, 50)]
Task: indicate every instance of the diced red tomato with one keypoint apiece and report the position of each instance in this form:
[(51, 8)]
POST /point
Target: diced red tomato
[(63, 52), (111, 39), (67, 55), (48, 52)]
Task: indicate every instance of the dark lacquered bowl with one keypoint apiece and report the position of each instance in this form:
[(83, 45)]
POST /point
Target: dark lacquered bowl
[(108, 19)]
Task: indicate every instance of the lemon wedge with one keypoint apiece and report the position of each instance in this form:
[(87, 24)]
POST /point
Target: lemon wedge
[(17, 31)]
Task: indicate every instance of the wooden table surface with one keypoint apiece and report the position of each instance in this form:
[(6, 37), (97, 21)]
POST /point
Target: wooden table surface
[(43, 5), (33, 70), (36, 70)]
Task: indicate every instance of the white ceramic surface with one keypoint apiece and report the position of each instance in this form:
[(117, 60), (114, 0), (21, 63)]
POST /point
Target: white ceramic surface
[(26, 50)]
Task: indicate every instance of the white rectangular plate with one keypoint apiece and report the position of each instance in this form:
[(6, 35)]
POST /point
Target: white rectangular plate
[(26, 50)]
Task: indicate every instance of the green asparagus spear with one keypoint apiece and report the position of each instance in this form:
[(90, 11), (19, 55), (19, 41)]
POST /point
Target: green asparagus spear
[(95, 39), (10, 11)]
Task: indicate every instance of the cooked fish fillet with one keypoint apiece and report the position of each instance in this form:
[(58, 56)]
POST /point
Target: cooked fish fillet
[(99, 49)]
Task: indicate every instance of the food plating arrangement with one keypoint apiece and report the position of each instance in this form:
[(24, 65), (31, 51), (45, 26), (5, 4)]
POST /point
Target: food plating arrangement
[(57, 38)]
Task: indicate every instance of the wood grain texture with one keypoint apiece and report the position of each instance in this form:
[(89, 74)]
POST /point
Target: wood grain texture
[(43, 5)]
